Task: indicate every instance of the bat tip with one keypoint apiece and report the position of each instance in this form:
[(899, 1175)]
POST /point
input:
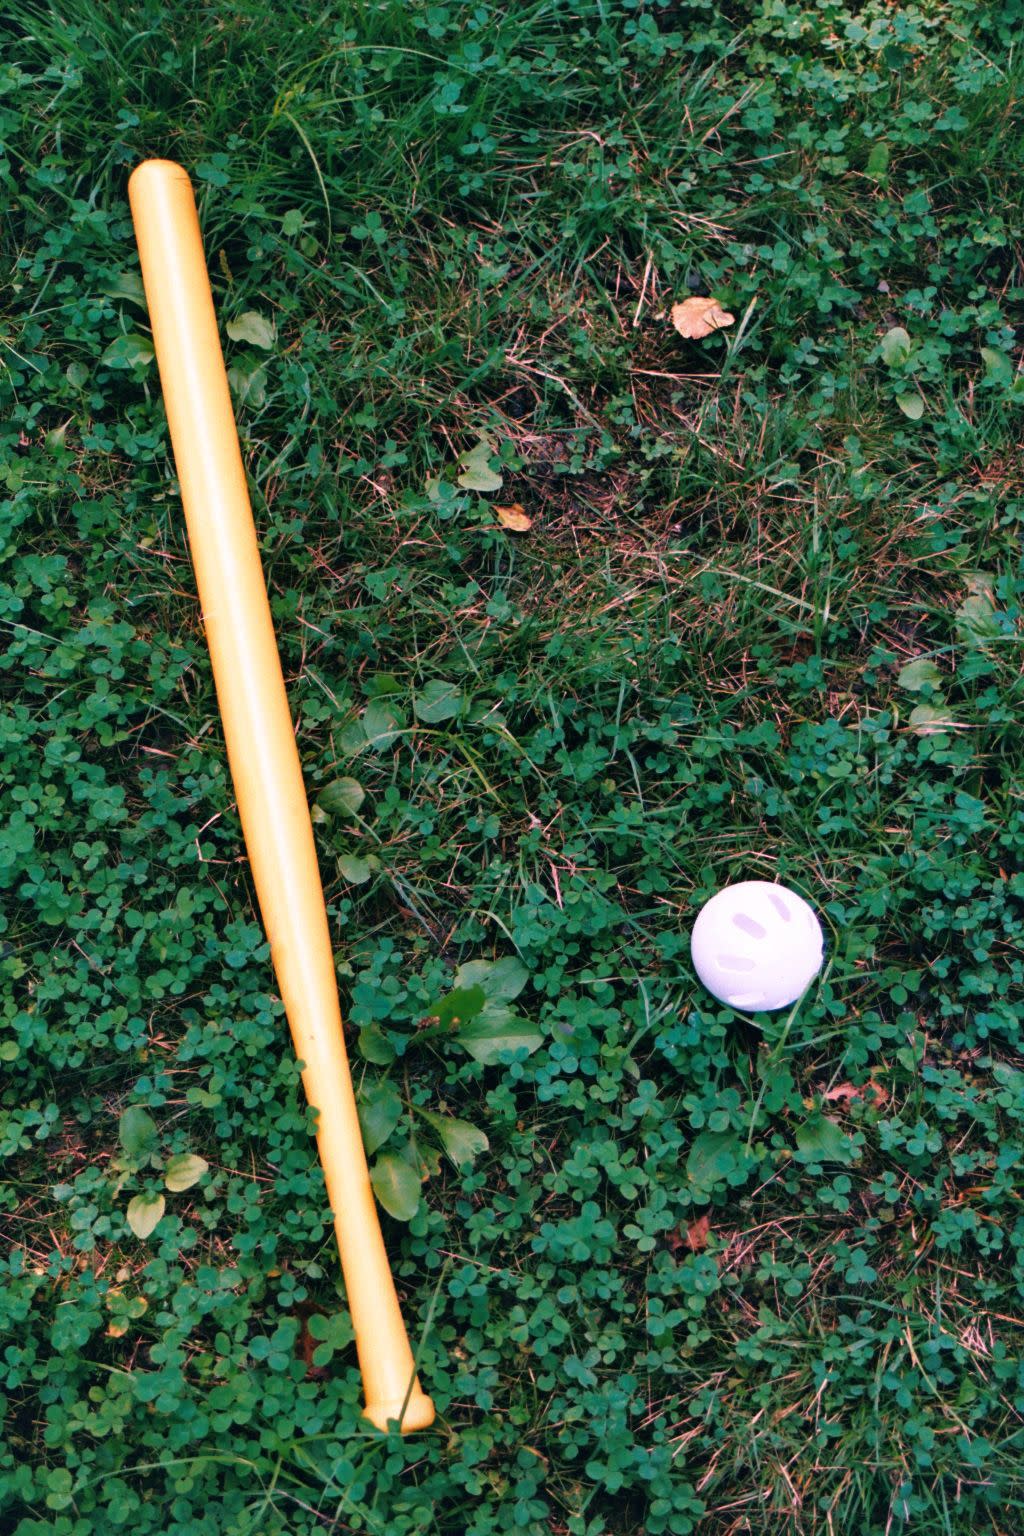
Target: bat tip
[(148, 171), (419, 1412)]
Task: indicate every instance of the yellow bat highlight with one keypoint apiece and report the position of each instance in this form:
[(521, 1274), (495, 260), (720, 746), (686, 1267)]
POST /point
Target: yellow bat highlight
[(264, 759)]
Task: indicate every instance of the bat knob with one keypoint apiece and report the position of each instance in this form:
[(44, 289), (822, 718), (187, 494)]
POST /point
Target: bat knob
[(419, 1412)]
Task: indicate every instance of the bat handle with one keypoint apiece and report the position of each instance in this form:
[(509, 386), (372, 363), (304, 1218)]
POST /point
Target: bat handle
[(264, 759)]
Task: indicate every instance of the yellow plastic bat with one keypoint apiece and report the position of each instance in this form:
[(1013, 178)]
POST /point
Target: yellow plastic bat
[(264, 759)]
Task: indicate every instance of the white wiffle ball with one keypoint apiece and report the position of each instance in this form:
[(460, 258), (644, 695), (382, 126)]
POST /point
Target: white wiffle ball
[(756, 945)]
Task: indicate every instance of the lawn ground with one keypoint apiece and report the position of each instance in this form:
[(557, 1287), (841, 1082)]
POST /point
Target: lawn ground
[(669, 1269)]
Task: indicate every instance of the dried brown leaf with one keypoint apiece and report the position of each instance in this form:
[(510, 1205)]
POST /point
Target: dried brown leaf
[(699, 316), (514, 518), (844, 1093), (697, 1234)]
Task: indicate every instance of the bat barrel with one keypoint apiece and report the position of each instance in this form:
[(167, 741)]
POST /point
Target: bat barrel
[(264, 759)]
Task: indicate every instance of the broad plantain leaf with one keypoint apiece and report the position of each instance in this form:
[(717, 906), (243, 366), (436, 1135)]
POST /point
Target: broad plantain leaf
[(253, 328), (460, 1006), (143, 1213), (977, 619), (998, 367), (137, 1132), (926, 719), (712, 1157), (489, 1035), (477, 474), (131, 351), (878, 160), (380, 1109), (342, 797), (380, 725), (375, 1046), (896, 346), (462, 1142), (822, 1140), (183, 1171), (919, 674), (396, 1185), (911, 405), (438, 701), (502, 980), (356, 869)]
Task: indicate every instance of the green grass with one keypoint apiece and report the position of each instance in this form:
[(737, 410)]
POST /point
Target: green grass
[(707, 1273)]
